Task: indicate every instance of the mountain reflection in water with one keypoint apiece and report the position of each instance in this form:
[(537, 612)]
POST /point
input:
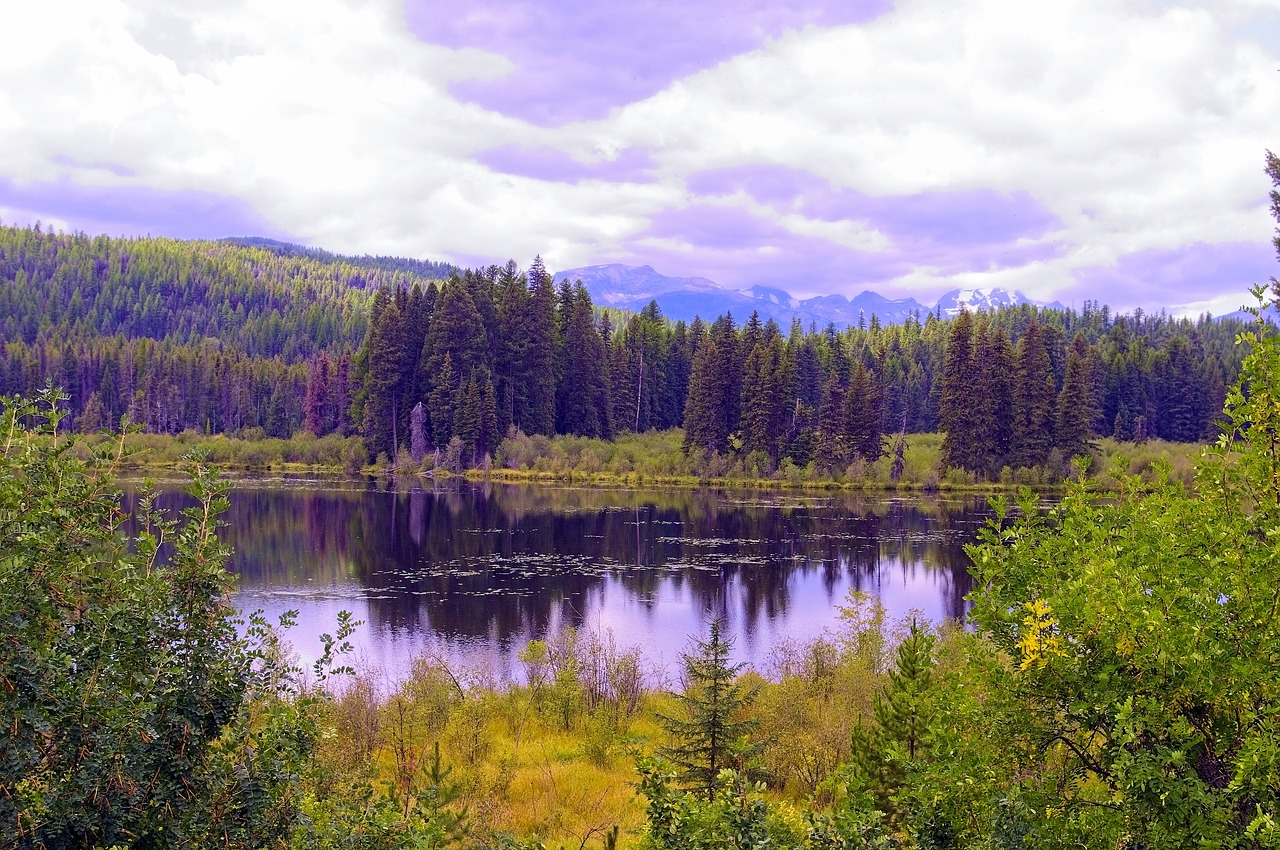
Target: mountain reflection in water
[(472, 572)]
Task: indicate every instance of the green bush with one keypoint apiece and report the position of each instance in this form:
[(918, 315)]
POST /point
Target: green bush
[(133, 710)]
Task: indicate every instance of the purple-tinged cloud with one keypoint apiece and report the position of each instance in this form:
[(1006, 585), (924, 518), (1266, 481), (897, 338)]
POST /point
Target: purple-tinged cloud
[(716, 228), (739, 249), (976, 229), (576, 61), (948, 233), (1160, 277), (109, 167), (631, 166), (137, 211)]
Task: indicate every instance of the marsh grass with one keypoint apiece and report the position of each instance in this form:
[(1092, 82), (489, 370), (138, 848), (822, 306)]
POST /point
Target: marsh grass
[(651, 459), (521, 770)]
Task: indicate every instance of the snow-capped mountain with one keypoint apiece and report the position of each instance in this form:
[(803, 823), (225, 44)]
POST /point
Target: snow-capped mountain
[(633, 287), (974, 300)]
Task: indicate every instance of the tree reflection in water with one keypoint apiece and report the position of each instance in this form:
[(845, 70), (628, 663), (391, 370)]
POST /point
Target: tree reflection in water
[(473, 569)]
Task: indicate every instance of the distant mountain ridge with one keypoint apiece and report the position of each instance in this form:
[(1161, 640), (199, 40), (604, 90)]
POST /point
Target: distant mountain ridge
[(1270, 313), (429, 269), (684, 298)]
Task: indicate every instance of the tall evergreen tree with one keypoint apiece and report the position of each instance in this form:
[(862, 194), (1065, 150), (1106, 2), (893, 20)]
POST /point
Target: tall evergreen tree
[(442, 400), (864, 413), (715, 386), (539, 416), (512, 360), (456, 331), (678, 366), (760, 419), (704, 420), (994, 397), (957, 414), (489, 433), (1181, 389), (831, 449), (582, 396), (1076, 408), (468, 418), (318, 405), (385, 358), (1033, 400), (729, 378)]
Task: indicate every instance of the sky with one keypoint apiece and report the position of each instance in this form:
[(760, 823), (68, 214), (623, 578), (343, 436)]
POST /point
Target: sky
[(1107, 150)]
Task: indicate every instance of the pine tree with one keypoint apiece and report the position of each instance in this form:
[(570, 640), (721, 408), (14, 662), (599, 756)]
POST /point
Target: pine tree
[(583, 395), (902, 709), (512, 356), (1182, 412), (760, 417), (318, 404), (864, 413), (885, 753), (957, 414), (489, 433), (385, 358), (94, 418), (729, 373), (457, 332), (342, 394), (1122, 425), (441, 401), (1033, 400), (994, 398), (711, 734), (467, 417), (831, 450), (1076, 408), (704, 420), (539, 416), (679, 364)]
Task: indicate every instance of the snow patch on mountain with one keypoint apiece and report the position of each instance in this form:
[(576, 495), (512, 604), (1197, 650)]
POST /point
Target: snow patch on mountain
[(684, 298)]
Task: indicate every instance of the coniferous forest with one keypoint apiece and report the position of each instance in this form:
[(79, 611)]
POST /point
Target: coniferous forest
[(257, 338)]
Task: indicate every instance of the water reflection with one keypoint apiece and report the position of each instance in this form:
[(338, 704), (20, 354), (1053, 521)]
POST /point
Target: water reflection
[(476, 570)]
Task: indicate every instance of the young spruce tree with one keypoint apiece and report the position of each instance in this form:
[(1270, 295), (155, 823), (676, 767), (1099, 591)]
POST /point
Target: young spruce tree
[(712, 734)]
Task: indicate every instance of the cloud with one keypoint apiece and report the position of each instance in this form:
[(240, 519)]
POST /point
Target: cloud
[(546, 163), (814, 146), (1221, 274), (573, 61), (132, 211), (952, 231)]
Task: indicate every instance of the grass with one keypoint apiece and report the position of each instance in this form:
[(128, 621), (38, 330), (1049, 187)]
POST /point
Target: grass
[(651, 459), (547, 762)]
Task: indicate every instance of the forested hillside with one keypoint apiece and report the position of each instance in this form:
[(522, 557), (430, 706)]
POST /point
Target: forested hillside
[(228, 337)]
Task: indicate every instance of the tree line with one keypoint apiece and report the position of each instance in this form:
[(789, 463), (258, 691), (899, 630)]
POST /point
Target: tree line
[(496, 349), (250, 336)]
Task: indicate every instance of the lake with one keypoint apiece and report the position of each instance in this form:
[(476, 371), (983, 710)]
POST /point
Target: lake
[(471, 572)]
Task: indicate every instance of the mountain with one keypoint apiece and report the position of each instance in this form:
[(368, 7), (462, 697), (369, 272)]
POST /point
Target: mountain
[(684, 298), (633, 287), (845, 311), (1270, 313), (950, 304)]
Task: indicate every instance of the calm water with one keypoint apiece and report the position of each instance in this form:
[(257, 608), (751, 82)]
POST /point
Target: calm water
[(473, 572)]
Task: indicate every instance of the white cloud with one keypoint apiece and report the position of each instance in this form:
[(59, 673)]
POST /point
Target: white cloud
[(1140, 125), (1141, 129)]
